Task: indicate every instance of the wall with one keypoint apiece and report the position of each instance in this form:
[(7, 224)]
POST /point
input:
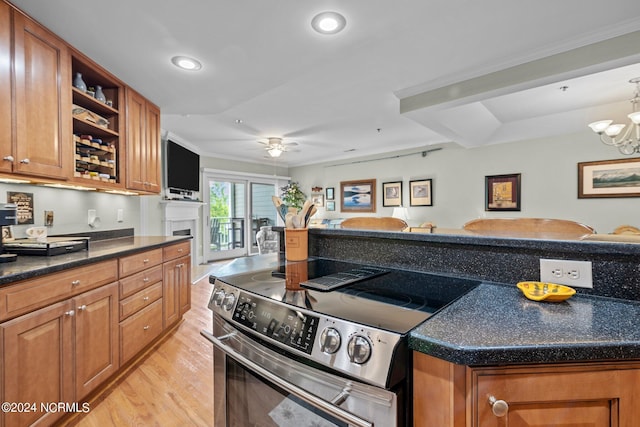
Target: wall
[(549, 181), (70, 209)]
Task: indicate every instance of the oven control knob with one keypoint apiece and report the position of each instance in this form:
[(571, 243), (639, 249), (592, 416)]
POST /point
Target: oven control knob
[(218, 296), (359, 349), (330, 340), (228, 301)]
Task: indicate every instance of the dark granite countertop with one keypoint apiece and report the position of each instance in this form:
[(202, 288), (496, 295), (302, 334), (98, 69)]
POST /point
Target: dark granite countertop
[(495, 324), (28, 266)]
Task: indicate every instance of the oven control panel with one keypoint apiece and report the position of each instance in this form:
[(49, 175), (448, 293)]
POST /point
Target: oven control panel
[(280, 323)]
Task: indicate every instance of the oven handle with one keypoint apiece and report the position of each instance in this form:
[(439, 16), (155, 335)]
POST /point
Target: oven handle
[(310, 398)]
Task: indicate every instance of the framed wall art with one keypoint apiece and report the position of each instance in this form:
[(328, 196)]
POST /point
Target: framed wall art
[(502, 192), (7, 233), (358, 196), (609, 178), (392, 193), (331, 205), (421, 192), (24, 202), (318, 200), (330, 193)]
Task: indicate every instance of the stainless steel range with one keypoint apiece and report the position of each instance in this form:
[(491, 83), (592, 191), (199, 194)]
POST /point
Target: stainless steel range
[(319, 342)]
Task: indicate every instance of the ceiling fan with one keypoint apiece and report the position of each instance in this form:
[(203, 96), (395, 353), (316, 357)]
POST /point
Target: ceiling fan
[(275, 147)]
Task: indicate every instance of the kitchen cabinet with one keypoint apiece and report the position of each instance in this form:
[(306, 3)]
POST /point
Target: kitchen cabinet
[(141, 301), (143, 158), (59, 353), (594, 394), (5, 87), (29, 295), (140, 329), (42, 87), (177, 291), (98, 158), (96, 338), (177, 281)]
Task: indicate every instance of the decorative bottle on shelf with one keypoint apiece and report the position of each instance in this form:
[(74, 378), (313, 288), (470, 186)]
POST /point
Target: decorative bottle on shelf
[(99, 95), (78, 83)]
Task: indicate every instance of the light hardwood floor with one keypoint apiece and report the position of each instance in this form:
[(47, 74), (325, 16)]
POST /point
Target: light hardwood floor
[(173, 384)]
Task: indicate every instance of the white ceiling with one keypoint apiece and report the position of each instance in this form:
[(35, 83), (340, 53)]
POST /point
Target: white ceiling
[(263, 64)]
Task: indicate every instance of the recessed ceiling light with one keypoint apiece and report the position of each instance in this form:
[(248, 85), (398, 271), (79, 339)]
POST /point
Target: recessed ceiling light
[(328, 22), (186, 63)]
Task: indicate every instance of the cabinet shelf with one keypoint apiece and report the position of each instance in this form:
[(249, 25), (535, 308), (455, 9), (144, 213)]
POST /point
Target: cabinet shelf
[(82, 99), (94, 161), (85, 127)]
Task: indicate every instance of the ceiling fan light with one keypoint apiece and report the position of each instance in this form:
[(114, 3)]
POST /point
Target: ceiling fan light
[(274, 152), (635, 117), (600, 126), (614, 130)]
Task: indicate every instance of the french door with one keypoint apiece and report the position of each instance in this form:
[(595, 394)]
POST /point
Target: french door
[(236, 207)]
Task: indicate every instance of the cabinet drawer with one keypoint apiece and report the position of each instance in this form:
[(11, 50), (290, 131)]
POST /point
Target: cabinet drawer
[(139, 281), (29, 295), (140, 329), (138, 262), (140, 300), (176, 251)]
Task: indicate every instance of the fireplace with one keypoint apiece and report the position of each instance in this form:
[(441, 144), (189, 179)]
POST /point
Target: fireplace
[(180, 218)]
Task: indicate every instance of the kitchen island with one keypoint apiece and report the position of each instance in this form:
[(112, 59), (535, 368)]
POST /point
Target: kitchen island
[(493, 353), (493, 356), (494, 324)]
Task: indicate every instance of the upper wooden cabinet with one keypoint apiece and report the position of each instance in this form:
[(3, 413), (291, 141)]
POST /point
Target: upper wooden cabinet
[(42, 102), (5, 87), (143, 144), (98, 125), (43, 118)]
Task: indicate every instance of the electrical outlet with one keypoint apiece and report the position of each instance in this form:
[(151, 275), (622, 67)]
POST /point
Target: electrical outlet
[(564, 272)]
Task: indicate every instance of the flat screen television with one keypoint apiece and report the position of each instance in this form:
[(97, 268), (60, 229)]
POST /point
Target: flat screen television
[(183, 168)]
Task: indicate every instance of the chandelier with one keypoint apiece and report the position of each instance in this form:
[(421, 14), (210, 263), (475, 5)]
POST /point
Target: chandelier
[(629, 142)]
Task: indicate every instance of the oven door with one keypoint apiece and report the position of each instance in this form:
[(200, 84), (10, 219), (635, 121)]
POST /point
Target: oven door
[(256, 386)]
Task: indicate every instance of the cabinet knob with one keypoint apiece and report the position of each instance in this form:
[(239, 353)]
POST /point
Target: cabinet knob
[(75, 282), (145, 280), (180, 250), (69, 313), (25, 161), (500, 408), (8, 158), (146, 260), (146, 328), (82, 307), (180, 265), (145, 299)]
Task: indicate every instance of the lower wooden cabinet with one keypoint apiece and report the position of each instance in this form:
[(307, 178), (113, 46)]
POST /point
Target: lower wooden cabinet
[(598, 394), (176, 289), (64, 334), (96, 338), (137, 331), (59, 353)]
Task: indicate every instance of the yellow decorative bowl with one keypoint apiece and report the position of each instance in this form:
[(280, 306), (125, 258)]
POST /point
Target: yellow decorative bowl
[(541, 291)]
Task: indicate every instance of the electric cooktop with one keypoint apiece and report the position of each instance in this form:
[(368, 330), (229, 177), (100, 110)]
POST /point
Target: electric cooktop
[(384, 298)]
